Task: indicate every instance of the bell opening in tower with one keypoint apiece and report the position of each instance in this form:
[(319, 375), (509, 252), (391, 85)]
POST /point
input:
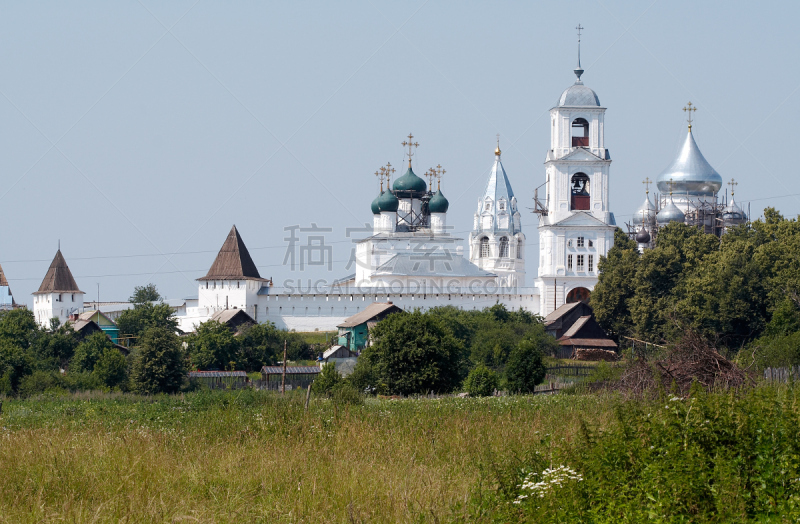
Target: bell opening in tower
[(580, 133), (580, 193)]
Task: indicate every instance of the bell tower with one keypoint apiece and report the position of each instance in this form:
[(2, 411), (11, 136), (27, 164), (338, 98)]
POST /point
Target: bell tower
[(576, 226)]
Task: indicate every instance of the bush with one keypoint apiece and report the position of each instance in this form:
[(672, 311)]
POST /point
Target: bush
[(55, 382), (525, 368), (346, 393), (158, 365), (327, 380), (415, 353), (481, 381)]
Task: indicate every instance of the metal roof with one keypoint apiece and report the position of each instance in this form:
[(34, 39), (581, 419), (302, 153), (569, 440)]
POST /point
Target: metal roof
[(690, 172), (670, 213), (290, 370), (578, 95), (217, 374), (370, 312), (436, 263)]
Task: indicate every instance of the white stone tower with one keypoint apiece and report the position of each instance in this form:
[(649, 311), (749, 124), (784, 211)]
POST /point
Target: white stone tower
[(497, 243), (576, 226), (59, 295)]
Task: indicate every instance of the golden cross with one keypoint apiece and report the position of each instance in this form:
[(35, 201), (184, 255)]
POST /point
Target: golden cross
[(381, 173), (647, 183), (410, 144), (387, 172), (670, 184), (439, 172), (689, 110), (430, 174), (579, 28), (733, 185)]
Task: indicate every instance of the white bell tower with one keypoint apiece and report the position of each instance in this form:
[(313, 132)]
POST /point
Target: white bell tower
[(576, 226)]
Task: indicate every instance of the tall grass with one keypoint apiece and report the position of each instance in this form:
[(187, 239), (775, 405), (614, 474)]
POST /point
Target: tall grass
[(258, 457)]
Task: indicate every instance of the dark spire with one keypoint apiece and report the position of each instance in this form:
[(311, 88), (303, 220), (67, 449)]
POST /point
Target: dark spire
[(58, 278), (233, 261)]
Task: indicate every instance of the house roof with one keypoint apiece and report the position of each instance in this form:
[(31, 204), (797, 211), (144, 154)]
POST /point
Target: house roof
[(58, 278), (370, 312), (576, 326), (226, 315), (3, 281), (88, 315), (233, 261), (588, 342), (82, 325), (217, 374), (290, 370), (560, 312), (334, 349)]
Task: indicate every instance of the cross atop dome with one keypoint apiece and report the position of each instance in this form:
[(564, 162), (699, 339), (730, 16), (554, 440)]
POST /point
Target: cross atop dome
[(410, 143), (689, 109)]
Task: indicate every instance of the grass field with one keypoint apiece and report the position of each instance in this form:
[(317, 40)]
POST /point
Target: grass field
[(257, 457)]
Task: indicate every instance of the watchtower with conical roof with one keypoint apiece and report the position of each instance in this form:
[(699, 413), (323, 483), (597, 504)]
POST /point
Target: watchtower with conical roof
[(233, 281), (58, 295)]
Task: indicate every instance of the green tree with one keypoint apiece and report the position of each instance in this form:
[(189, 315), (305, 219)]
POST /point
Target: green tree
[(19, 327), (415, 353), (89, 352), (481, 381), (146, 293), (112, 368), (261, 345), (615, 287), (327, 380), (15, 364), (212, 346), (144, 316), (54, 350), (525, 367), (158, 365)]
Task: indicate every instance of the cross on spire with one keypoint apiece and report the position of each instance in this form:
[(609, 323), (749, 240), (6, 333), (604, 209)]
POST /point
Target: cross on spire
[(647, 183), (497, 151), (410, 144), (733, 185), (579, 70), (670, 184), (381, 175), (689, 109)]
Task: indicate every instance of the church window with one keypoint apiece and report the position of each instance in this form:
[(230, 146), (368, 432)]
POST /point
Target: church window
[(206, 284), (502, 206), (569, 243), (591, 244), (579, 263), (488, 206), (580, 133), (237, 284), (580, 192), (519, 251), (580, 241), (591, 263), (484, 251), (73, 298), (504, 247), (569, 262)]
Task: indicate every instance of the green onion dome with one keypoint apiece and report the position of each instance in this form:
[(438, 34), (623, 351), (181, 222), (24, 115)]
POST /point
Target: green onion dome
[(388, 202), (438, 203), (410, 185), (376, 209)]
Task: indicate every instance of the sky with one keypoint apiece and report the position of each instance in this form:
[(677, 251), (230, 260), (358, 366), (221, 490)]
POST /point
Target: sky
[(136, 133)]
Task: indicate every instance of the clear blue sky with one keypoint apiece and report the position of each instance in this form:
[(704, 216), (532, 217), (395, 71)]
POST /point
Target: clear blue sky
[(135, 130)]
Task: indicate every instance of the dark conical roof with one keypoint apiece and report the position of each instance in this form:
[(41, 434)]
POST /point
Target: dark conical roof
[(3, 281), (58, 278), (233, 261)]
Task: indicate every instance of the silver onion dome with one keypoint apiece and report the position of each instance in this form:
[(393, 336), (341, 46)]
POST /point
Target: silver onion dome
[(732, 214), (643, 237), (690, 172), (645, 212), (670, 213)]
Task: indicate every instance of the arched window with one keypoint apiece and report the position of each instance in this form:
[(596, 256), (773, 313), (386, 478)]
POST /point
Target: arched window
[(484, 251), (579, 185), (503, 247), (580, 133)]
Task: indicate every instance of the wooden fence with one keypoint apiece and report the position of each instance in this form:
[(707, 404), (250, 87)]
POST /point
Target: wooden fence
[(570, 370), (782, 374)]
